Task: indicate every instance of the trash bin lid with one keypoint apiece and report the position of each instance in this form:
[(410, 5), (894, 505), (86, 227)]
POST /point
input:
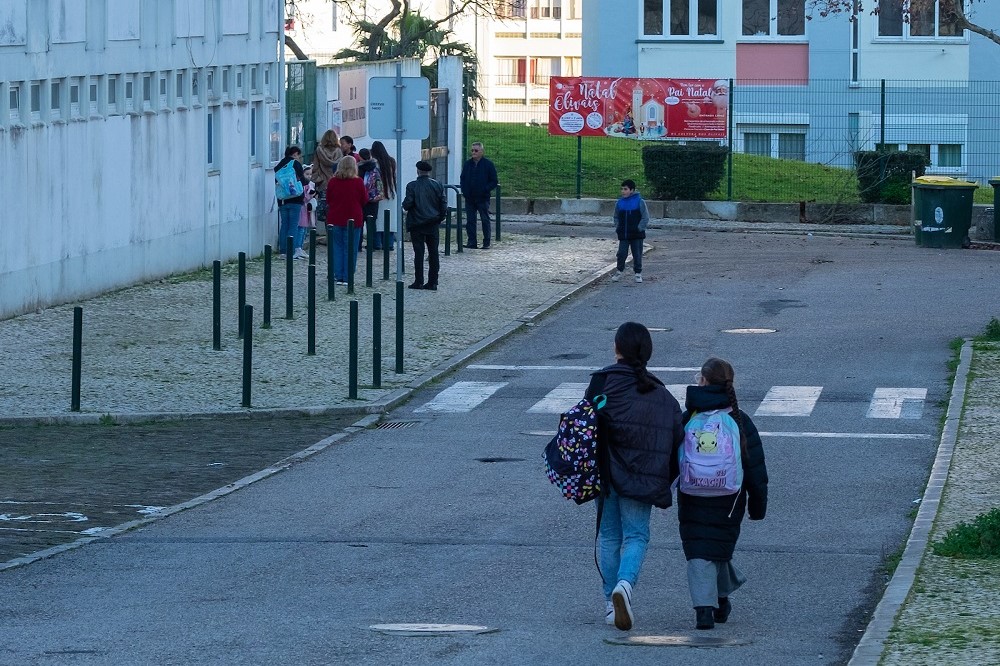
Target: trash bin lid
[(995, 180), (943, 181)]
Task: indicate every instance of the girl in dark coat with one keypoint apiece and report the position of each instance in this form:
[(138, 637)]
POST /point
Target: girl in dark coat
[(640, 429), (710, 526)]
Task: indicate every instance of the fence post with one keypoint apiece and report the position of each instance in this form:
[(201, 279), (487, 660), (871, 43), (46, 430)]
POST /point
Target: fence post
[(352, 251), (377, 340), (498, 215), (579, 169), (369, 252), (399, 327), (331, 294), (289, 278), (385, 245), (217, 305), (458, 221), (267, 287), (447, 233), (312, 245), (729, 131), (352, 367), (242, 289), (311, 306), (881, 127), (74, 402), (247, 353)]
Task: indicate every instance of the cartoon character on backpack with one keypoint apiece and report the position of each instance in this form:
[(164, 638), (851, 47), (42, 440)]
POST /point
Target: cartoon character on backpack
[(711, 462)]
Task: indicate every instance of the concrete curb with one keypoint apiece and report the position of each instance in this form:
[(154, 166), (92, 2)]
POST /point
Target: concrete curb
[(872, 644), (374, 411)]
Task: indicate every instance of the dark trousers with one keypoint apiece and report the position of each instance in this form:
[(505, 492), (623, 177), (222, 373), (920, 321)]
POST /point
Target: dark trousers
[(370, 210), (481, 206), (623, 247), (428, 237)]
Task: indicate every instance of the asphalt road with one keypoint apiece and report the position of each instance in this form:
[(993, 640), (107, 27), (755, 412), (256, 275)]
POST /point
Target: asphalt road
[(413, 524)]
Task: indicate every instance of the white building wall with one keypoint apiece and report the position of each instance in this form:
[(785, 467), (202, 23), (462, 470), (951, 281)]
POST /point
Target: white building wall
[(102, 194)]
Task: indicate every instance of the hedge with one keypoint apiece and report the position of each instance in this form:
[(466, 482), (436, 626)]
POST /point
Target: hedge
[(690, 172)]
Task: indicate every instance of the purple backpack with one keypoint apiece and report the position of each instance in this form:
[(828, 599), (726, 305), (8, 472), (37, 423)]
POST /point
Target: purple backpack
[(711, 462)]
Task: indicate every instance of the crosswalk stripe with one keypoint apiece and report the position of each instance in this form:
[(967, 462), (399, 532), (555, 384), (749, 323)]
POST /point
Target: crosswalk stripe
[(846, 435), (679, 391), (585, 368), (559, 399), (789, 401), (895, 403), (461, 397)]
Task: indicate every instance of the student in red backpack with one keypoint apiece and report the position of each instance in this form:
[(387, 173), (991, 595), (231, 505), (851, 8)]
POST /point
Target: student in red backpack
[(710, 526), (639, 429)]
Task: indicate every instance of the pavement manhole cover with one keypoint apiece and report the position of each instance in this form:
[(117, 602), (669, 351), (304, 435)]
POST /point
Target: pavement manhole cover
[(430, 629), (395, 425), (499, 460), (678, 641)]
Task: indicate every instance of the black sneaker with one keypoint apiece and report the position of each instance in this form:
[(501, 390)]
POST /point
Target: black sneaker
[(470, 247), (416, 285), (704, 617), (721, 614), (430, 287)]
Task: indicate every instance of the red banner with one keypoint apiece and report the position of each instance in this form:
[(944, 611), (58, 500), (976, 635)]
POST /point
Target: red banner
[(643, 109)]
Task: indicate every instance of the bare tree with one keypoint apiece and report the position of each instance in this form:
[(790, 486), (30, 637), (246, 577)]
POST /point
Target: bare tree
[(959, 13)]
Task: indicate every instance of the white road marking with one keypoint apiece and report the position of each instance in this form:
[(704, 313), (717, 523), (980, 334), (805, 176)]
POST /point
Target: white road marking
[(894, 403), (586, 368), (789, 401), (559, 399), (679, 391), (847, 435), (461, 397)]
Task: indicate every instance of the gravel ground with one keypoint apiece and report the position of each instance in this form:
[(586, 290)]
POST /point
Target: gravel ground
[(951, 616), (149, 348)]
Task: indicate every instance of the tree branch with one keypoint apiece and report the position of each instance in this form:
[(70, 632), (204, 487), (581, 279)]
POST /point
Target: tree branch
[(299, 53)]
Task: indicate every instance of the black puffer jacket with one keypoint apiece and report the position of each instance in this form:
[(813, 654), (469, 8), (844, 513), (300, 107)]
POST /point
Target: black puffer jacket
[(639, 436), (710, 526)]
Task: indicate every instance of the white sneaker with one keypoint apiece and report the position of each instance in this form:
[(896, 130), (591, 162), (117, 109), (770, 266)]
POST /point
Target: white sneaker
[(617, 276), (622, 600), (609, 612), (638, 277), (301, 254)]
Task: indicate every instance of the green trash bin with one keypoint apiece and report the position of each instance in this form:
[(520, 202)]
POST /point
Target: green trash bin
[(995, 182), (942, 211)]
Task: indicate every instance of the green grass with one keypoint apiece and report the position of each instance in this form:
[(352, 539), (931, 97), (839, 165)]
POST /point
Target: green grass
[(975, 540), (531, 163)]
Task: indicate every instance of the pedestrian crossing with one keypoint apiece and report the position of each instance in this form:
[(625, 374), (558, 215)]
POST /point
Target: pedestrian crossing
[(785, 401)]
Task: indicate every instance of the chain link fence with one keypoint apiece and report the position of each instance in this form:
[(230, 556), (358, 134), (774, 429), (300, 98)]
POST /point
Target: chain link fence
[(788, 141)]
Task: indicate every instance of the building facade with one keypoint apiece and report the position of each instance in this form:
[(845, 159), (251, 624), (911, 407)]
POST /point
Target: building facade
[(819, 88), (137, 139), (527, 42)]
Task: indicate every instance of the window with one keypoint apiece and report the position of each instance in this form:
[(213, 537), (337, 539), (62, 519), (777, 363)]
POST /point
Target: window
[(36, 98), (511, 9), (225, 81), (253, 79), (129, 94), (179, 87), (573, 9), (253, 133), (925, 21), (333, 21), (757, 143), (792, 147), (112, 92), (681, 18), (543, 69), (211, 139), (210, 83), (55, 98), (147, 90), (573, 66), (511, 71), (546, 9), (74, 100), (194, 87), (783, 18), (15, 101), (949, 155), (164, 85), (945, 157), (239, 82)]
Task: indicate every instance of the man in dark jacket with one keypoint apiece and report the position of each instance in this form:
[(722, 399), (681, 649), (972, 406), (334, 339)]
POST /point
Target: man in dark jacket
[(478, 180), (426, 206)]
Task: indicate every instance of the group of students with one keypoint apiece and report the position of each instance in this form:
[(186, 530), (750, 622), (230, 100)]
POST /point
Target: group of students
[(342, 184), (641, 432)]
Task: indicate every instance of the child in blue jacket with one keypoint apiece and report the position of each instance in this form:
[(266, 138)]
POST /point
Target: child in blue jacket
[(631, 220)]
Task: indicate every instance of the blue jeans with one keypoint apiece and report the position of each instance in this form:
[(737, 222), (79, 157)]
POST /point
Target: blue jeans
[(623, 247), (300, 237), (482, 207), (341, 250), (622, 540), (288, 214)]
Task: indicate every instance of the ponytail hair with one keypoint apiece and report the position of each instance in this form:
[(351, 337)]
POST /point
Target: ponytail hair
[(718, 372), (635, 345)]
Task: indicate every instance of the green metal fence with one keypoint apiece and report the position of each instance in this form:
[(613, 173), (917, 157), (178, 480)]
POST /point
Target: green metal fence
[(789, 141), (300, 107)]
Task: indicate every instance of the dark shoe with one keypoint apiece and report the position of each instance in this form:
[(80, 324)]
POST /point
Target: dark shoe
[(486, 246), (416, 285), (721, 613), (704, 618), (430, 287), (470, 247)]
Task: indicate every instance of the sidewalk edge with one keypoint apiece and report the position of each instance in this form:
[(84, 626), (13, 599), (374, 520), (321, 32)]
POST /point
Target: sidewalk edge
[(872, 644)]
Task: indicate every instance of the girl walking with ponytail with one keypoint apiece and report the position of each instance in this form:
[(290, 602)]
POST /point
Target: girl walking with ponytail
[(710, 525), (639, 432)]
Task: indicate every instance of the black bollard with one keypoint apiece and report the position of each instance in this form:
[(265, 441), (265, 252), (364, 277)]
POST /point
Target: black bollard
[(289, 277), (267, 287), (242, 289), (74, 402), (247, 353), (458, 222), (498, 216), (351, 253), (312, 310), (330, 280), (447, 233), (399, 326), (312, 245), (217, 305), (385, 246), (352, 378), (371, 227), (377, 340)]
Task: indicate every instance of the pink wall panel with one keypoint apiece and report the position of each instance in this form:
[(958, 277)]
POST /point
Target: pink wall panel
[(784, 62)]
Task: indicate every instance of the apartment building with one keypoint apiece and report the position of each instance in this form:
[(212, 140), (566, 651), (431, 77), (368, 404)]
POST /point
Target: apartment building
[(527, 42), (137, 139), (818, 88)]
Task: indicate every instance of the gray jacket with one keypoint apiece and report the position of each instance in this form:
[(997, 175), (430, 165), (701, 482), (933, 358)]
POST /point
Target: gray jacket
[(425, 203)]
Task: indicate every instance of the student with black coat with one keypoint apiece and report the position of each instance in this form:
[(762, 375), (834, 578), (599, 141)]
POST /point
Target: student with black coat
[(710, 526), (639, 430)]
